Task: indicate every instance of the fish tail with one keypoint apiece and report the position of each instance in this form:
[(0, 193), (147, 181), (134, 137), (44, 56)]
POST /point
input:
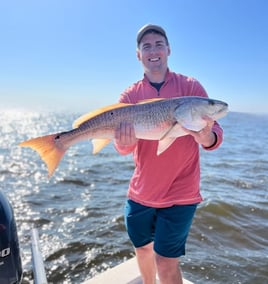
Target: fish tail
[(46, 147)]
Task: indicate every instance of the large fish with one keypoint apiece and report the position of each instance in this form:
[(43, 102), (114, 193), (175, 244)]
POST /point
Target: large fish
[(157, 119)]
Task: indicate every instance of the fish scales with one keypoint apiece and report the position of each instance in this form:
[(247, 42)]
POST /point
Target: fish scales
[(144, 117)]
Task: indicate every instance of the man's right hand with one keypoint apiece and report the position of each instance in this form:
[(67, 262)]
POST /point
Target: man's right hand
[(125, 134)]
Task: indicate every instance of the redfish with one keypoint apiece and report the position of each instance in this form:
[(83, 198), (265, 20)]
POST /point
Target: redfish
[(156, 119)]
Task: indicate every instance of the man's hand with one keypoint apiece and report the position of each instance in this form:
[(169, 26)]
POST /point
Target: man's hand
[(205, 136), (125, 134)]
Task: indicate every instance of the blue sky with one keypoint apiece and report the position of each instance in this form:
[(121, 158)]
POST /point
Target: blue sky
[(80, 55)]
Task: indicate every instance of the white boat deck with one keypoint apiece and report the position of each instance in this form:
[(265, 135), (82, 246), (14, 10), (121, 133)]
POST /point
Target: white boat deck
[(125, 273)]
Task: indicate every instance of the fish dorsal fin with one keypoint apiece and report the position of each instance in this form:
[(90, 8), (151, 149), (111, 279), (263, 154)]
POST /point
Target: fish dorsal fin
[(98, 144), (150, 101), (94, 113)]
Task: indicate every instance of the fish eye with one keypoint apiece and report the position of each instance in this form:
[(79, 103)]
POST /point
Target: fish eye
[(211, 103)]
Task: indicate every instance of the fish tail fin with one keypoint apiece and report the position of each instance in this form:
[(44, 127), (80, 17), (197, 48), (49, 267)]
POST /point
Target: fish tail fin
[(46, 147)]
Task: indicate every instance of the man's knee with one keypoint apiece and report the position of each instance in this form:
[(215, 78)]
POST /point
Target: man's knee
[(166, 263), (145, 249)]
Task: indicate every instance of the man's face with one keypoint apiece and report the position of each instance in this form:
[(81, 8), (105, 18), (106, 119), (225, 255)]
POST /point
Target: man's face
[(153, 52)]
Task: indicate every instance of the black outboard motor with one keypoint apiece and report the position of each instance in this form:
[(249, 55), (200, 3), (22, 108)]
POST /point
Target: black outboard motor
[(10, 261)]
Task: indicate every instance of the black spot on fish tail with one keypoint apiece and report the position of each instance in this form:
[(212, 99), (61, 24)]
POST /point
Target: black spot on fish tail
[(60, 134)]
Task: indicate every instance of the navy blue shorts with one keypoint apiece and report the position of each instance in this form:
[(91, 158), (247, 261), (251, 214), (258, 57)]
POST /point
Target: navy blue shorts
[(168, 227)]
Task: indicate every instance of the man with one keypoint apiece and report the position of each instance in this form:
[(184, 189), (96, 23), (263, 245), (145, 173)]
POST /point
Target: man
[(164, 190)]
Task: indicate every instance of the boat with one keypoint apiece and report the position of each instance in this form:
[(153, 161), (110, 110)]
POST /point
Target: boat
[(39, 272), (124, 273)]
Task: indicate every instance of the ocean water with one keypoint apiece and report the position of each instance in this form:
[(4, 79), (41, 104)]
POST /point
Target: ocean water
[(79, 211)]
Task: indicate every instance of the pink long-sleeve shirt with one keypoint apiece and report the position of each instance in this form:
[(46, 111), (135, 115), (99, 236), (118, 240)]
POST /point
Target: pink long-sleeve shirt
[(173, 177)]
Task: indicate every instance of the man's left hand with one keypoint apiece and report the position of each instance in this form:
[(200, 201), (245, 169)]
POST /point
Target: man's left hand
[(205, 136)]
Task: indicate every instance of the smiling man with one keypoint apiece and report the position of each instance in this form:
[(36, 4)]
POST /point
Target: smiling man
[(153, 50), (164, 190)]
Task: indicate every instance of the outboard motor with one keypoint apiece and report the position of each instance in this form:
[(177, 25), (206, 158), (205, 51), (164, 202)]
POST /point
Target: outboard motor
[(10, 261)]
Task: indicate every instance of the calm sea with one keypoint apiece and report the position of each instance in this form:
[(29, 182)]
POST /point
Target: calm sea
[(79, 211)]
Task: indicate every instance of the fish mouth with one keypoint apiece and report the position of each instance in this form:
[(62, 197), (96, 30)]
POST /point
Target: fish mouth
[(222, 111)]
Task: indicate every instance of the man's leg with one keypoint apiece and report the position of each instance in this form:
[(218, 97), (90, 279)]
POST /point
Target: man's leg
[(168, 270), (139, 222), (172, 228), (146, 262)]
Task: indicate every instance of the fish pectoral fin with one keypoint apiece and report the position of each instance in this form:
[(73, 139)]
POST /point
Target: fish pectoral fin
[(163, 144), (169, 137), (98, 144), (174, 131), (195, 126)]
